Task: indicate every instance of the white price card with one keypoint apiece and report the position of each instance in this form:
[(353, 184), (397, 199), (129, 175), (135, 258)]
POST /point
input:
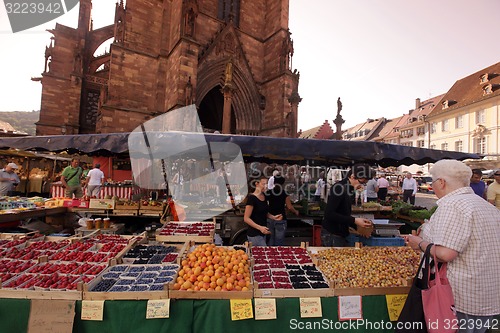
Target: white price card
[(350, 308), (92, 310), (310, 307), (159, 308), (265, 308)]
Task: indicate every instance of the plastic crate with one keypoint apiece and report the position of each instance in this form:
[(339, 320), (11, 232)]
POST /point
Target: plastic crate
[(383, 241)]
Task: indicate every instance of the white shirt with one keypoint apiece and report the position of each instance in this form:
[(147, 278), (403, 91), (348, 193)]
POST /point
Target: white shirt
[(96, 176), (382, 183), (270, 183), (410, 184), (320, 185), (469, 225)]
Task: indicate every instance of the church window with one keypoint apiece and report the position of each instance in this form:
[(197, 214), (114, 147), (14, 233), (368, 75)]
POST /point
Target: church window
[(229, 10)]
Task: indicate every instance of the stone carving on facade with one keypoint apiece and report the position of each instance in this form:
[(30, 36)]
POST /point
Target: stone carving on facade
[(119, 32), (77, 62), (48, 55), (286, 52), (479, 131), (189, 92), (228, 46), (190, 13)]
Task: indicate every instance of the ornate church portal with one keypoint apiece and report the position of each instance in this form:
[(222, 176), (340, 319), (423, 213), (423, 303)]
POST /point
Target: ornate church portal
[(231, 58)]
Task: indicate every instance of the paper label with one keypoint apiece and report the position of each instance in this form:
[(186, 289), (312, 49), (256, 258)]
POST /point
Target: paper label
[(310, 307), (241, 309), (51, 316), (265, 308), (158, 309), (395, 304), (92, 310), (350, 308)]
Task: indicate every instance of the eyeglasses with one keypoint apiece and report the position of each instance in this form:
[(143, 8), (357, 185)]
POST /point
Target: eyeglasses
[(497, 174), (432, 184)]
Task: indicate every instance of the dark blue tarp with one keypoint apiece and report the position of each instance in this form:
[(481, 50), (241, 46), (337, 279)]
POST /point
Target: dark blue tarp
[(254, 148)]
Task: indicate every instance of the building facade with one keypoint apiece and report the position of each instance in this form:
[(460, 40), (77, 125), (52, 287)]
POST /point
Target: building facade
[(231, 58), (467, 118)]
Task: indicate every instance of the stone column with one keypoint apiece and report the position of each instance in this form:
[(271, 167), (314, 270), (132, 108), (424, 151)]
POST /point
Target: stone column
[(227, 90)]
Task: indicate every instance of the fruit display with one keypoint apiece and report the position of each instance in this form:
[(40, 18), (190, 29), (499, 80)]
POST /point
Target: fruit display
[(187, 229), (368, 266), (135, 278), (213, 268), (286, 268), (151, 254)]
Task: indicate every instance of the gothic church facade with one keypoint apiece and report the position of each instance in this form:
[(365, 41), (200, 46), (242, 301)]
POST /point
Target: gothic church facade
[(231, 58)]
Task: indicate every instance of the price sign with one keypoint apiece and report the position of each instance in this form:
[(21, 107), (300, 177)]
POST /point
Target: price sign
[(310, 307), (395, 305), (350, 308), (241, 309), (92, 310), (265, 308), (158, 309)]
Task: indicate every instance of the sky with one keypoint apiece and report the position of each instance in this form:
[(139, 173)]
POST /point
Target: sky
[(378, 56)]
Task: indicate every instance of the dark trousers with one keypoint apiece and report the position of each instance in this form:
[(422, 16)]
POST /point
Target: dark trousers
[(407, 194), (382, 193)]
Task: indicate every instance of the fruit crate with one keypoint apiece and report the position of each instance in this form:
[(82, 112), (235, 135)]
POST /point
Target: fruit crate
[(212, 294), (129, 279), (395, 268), (375, 241), (102, 204), (31, 293), (281, 272), (178, 252), (186, 231)]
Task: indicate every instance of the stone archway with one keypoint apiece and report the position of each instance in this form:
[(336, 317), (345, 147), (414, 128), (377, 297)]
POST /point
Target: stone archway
[(245, 112), (210, 111)]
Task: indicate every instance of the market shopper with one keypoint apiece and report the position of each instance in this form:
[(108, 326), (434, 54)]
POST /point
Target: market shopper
[(409, 188), (465, 231), (257, 213), (278, 200), (493, 193), (372, 188), (383, 187), (70, 179), (94, 181), (478, 186), (8, 179), (338, 219), (320, 187)]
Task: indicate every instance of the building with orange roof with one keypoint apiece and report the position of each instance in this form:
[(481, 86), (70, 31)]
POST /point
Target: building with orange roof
[(324, 131)]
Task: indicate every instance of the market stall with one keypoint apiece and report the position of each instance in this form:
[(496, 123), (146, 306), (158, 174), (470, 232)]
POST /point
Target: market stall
[(107, 191)]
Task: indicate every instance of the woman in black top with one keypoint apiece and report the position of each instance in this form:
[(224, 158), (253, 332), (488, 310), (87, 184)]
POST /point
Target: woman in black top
[(278, 199), (256, 214)]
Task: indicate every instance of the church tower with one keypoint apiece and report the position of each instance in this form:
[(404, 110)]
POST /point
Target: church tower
[(231, 58)]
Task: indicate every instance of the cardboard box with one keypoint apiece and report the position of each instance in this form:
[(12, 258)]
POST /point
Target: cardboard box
[(102, 204)]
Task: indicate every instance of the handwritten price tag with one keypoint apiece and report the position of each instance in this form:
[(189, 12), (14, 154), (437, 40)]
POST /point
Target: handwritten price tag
[(350, 308), (310, 307), (265, 308), (241, 309), (395, 304), (158, 309), (92, 310)]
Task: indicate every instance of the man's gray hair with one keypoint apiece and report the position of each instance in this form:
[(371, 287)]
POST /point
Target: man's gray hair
[(454, 172)]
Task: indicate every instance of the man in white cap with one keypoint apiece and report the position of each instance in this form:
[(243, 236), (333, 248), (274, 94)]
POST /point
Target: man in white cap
[(8, 179)]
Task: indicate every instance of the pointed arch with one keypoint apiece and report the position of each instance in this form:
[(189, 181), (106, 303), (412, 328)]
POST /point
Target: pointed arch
[(246, 96)]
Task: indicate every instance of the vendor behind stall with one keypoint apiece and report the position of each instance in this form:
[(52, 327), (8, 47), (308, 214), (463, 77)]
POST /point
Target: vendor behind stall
[(8, 179)]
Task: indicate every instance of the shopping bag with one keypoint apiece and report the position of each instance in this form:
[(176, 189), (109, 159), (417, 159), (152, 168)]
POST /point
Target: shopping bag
[(438, 303), (412, 318)]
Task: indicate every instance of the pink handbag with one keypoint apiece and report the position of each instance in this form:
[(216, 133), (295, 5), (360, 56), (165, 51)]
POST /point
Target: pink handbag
[(438, 303)]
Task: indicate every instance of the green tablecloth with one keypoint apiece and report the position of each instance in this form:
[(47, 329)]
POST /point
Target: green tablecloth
[(199, 316)]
